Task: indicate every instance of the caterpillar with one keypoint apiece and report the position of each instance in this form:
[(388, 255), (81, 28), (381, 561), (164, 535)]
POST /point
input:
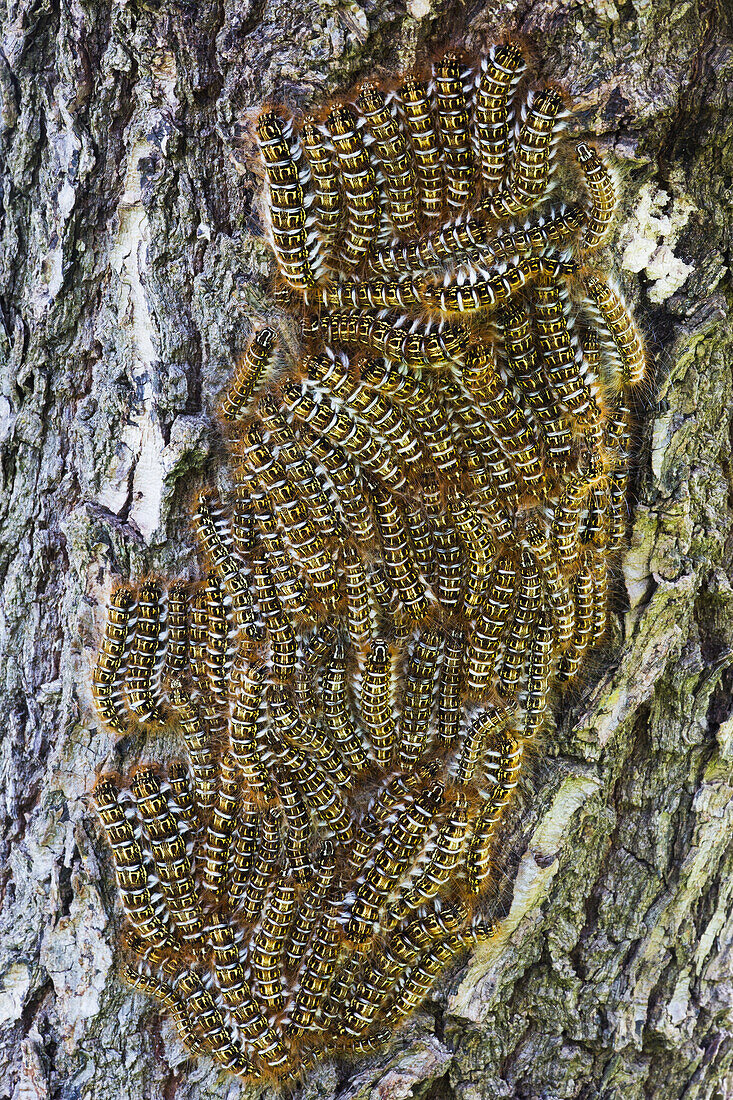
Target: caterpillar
[(392, 151), (496, 80), (249, 372), (325, 177), (132, 877), (392, 859), (310, 908), (419, 124), (221, 827), (621, 326), (106, 681), (417, 701), (361, 196), (376, 701), (336, 712), (269, 944), (300, 267), (602, 195), (169, 851), (143, 696), (453, 123), (231, 980)]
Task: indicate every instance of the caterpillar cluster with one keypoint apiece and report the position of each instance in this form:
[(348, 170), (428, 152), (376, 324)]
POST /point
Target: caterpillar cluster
[(413, 554)]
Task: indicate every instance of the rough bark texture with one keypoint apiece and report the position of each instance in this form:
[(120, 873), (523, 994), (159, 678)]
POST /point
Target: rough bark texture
[(131, 272)]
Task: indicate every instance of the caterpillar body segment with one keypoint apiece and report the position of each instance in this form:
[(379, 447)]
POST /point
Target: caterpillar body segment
[(218, 653), (449, 557), (319, 787), (376, 701), (249, 373), (496, 81), (300, 465), (143, 667), (130, 871), (341, 472), (418, 982), (361, 195), (325, 178), (599, 571), (423, 408), (358, 611), (453, 122), (387, 424), (601, 189), (479, 544), (398, 561), (316, 649), (172, 864), (396, 164), (280, 633), (477, 288), (484, 725), (489, 627), (388, 964), (107, 678), (297, 255), (339, 428), (621, 327), (417, 115), (596, 526), (503, 761), (567, 516), (510, 426)]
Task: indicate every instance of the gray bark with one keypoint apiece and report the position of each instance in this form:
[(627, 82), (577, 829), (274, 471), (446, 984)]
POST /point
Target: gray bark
[(131, 274)]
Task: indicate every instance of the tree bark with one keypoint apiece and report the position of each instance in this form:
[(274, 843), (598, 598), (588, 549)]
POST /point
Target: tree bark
[(132, 270)]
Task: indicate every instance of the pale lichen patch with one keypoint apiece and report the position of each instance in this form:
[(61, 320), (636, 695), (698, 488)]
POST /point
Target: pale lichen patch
[(650, 236)]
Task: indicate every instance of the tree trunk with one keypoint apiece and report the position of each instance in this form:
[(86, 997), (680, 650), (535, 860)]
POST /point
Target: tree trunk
[(132, 271)]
